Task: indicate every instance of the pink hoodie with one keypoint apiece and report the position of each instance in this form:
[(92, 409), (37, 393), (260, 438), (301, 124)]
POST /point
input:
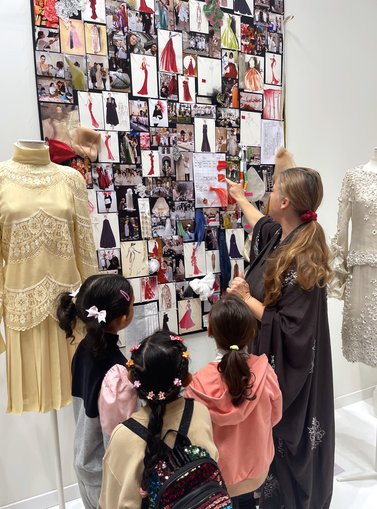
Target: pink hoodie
[(243, 434)]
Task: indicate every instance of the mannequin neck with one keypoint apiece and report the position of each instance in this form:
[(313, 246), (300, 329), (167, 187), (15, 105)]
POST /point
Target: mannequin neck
[(24, 153), (372, 164)]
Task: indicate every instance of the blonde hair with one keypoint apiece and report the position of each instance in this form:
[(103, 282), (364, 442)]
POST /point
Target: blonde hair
[(307, 254)]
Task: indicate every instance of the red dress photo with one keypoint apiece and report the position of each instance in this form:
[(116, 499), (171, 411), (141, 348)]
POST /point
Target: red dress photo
[(168, 60)]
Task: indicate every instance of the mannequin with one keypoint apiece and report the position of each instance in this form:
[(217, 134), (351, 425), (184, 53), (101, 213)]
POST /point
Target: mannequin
[(47, 247), (354, 262), (372, 163)]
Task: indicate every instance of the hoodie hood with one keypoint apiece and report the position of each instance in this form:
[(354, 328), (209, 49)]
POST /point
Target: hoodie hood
[(208, 387)]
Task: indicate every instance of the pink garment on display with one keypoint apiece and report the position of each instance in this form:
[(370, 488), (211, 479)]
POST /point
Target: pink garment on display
[(144, 88), (109, 153), (151, 171), (168, 59)]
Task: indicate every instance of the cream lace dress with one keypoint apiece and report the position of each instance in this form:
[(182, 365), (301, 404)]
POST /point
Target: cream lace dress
[(355, 265), (46, 247)]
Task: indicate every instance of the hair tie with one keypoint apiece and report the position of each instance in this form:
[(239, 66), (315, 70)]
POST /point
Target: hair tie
[(308, 216), (100, 315), (233, 347), (74, 293)]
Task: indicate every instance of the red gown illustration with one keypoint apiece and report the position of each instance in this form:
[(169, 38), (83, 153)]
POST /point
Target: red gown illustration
[(193, 263), (168, 60), (274, 80), (173, 86), (186, 322), (148, 291), (93, 7), (186, 91), (230, 70), (95, 124), (101, 178), (151, 171), (155, 251), (109, 153), (144, 88), (190, 69), (144, 7)]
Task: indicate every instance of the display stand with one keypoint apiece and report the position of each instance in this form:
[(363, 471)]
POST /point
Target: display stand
[(58, 462), (369, 474)]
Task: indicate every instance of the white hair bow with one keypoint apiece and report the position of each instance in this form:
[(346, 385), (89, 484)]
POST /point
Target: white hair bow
[(100, 315), (74, 293)]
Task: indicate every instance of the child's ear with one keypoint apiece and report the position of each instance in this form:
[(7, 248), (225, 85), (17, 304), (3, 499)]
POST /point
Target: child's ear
[(187, 380)]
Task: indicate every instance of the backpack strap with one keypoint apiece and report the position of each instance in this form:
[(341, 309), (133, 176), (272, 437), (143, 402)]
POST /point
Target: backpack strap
[(186, 417), (184, 425), (137, 428)]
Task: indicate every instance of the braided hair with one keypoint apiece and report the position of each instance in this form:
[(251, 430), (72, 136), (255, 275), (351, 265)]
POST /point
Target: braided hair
[(158, 367), (106, 292)]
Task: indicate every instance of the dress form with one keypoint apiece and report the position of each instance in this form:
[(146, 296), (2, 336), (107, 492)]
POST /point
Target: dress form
[(28, 151), (372, 163)]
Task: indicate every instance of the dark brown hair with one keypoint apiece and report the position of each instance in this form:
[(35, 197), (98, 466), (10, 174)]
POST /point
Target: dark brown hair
[(231, 322)]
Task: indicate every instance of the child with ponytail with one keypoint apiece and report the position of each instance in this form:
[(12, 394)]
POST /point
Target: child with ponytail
[(158, 369), (244, 400), (102, 393)]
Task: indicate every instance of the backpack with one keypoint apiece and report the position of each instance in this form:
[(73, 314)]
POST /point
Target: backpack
[(185, 476)]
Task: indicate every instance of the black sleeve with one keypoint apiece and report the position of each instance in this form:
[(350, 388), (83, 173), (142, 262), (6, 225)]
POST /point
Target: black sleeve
[(263, 232)]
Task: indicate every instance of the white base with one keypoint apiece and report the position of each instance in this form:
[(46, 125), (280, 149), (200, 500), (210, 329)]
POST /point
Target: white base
[(46, 500), (354, 397)]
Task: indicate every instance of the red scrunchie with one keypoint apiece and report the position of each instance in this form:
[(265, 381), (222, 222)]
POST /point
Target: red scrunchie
[(308, 216)]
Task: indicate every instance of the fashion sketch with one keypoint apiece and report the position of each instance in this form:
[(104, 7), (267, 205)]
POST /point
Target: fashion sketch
[(168, 59)]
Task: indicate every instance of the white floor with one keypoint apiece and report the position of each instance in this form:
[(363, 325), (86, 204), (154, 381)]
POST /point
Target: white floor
[(356, 428)]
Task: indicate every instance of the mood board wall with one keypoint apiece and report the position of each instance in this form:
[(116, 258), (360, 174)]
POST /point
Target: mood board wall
[(182, 93)]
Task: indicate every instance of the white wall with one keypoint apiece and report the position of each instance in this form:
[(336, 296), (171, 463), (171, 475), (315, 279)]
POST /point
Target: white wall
[(331, 125), (332, 118)]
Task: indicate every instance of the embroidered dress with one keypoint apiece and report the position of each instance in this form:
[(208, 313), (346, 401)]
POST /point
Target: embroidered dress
[(47, 248), (355, 265), (294, 335)]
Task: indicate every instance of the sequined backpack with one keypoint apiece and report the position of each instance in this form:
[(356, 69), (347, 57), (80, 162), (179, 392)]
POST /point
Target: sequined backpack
[(185, 477)]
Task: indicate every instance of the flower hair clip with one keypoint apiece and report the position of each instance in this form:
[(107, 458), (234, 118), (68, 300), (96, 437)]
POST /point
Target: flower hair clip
[(161, 396), (125, 295), (150, 395), (134, 348), (137, 384), (94, 313), (177, 382), (176, 338), (130, 363), (186, 355)]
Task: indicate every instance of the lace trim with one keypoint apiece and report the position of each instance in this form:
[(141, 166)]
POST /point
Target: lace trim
[(31, 176), (67, 8), (316, 433), (28, 307), (87, 249), (24, 239), (361, 258)]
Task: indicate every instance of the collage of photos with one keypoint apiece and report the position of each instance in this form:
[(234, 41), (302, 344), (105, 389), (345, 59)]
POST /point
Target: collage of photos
[(177, 107)]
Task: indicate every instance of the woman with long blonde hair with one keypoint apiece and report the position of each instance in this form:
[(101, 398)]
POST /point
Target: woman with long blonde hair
[(285, 288)]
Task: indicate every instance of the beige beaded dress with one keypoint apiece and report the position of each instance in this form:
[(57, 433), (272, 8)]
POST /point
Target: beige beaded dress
[(355, 265), (46, 247)]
